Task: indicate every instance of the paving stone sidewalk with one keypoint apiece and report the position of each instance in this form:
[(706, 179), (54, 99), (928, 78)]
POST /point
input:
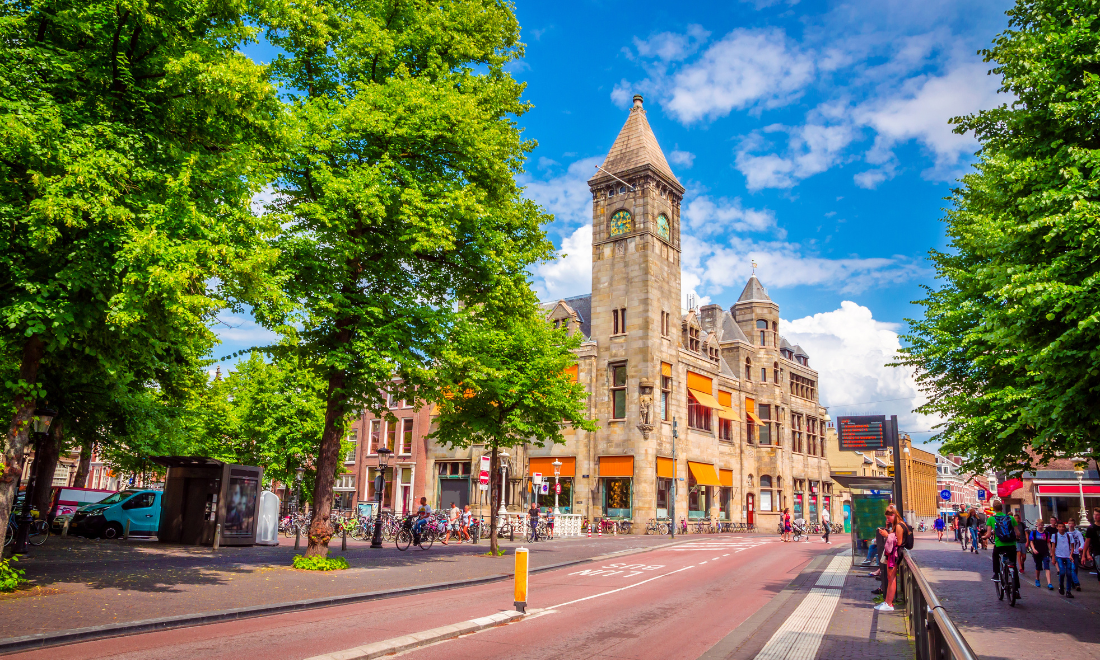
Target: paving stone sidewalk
[(78, 582), (859, 632), (1042, 625)]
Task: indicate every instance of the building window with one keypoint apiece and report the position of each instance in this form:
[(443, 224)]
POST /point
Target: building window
[(764, 433), (406, 436), (666, 324), (775, 373), (618, 391), (763, 327), (693, 339), (666, 397), (775, 333), (353, 440), (387, 493), (763, 375), (750, 481), (618, 321), (698, 414), (748, 368), (765, 493), (725, 430), (391, 434)]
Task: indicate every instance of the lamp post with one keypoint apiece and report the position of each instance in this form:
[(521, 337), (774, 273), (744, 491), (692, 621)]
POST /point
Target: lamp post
[(672, 495), (379, 488), (42, 419), (557, 474), (298, 507), (503, 512), (1083, 518)]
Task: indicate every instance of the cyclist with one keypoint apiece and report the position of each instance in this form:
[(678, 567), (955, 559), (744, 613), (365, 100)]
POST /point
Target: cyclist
[(1003, 532), (423, 512), (533, 515)]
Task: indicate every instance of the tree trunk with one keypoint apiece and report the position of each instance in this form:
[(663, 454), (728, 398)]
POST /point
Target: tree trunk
[(320, 529), (46, 456), (85, 465), (494, 470), (16, 440)]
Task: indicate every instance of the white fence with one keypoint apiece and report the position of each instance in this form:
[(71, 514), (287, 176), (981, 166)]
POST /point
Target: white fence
[(565, 524)]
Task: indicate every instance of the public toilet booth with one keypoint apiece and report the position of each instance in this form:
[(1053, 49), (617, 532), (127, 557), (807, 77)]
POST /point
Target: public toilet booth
[(870, 497), (202, 493)]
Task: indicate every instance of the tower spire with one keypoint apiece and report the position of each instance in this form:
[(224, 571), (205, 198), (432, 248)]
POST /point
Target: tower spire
[(634, 148)]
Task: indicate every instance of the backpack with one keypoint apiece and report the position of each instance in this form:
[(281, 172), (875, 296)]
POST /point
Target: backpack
[(1004, 530), (908, 545)]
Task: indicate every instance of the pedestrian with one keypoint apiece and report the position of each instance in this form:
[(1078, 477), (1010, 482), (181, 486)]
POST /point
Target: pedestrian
[(453, 515), (956, 528), (825, 523), (533, 515), (893, 538), (550, 521), (465, 520), (1092, 542), (1078, 541), (1040, 553), (1021, 541), (1063, 554), (972, 529), (786, 524), (938, 525), (983, 527)]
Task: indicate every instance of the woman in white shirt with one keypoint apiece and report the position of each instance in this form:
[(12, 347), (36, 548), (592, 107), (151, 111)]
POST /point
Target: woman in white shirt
[(1063, 554)]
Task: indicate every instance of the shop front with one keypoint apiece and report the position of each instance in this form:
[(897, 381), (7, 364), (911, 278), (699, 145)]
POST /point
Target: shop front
[(665, 473), (617, 486), (725, 495), (702, 482), (544, 465)]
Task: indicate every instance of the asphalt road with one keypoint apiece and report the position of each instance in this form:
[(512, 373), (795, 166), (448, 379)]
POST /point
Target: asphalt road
[(673, 602)]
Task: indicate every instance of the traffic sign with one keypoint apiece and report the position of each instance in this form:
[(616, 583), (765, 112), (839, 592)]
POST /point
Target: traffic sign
[(483, 478), (981, 493), (945, 494), (557, 489), (536, 478), (545, 488)]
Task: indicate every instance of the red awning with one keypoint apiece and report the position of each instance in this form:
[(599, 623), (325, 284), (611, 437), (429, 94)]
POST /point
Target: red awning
[(1051, 489)]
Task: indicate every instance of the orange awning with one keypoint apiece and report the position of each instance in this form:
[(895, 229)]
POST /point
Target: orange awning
[(726, 477), (700, 382), (664, 468), (545, 465), (616, 466), (728, 414), (704, 473), (704, 398), (666, 369), (725, 399), (573, 372), (756, 420)]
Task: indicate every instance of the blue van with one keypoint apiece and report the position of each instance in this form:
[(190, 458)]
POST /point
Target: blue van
[(107, 518)]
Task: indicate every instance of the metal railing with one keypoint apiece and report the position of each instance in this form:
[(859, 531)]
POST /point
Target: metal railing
[(934, 634)]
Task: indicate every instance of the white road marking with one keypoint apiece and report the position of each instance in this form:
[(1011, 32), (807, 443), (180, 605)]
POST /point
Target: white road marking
[(615, 591), (799, 638), (834, 575)]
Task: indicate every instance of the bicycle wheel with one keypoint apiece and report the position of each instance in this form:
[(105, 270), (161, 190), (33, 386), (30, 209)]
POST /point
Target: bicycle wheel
[(9, 535), (427, 537), (403, 540), (38, 533), (1008, 583)]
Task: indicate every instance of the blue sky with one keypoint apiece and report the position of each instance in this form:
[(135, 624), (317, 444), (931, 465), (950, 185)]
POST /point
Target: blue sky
[(812, 137)]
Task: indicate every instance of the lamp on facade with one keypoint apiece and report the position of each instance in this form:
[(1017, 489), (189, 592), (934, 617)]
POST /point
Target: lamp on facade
[(43, 417), (379, 489), (1079, 470), (557, 474)]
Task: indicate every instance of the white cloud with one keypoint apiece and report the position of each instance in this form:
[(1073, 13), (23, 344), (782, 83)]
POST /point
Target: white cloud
[(788, 264), (850, 350), (747, 68), (704, 216), (811, 149), (567, 195), (684, 159), (763, 4), (672, 46), (571, 274)]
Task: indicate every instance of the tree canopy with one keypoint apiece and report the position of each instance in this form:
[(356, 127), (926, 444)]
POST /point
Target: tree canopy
[(1009, 345)]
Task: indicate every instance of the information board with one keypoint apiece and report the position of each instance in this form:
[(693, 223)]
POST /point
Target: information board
[(864, 433)]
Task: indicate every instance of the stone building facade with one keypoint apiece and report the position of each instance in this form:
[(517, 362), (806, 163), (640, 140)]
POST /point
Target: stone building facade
[(713, 400)]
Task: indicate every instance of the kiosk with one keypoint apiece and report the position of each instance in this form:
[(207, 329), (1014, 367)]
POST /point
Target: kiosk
[(870, 497), (202, 493)]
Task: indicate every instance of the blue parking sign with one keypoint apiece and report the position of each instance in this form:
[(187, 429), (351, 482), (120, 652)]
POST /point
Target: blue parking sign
[(981, 493), (945, 494)]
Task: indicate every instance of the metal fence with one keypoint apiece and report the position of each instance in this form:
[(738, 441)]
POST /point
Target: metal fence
[(934, 634)]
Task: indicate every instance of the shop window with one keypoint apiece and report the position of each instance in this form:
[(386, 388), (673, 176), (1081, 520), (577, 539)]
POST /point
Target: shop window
[(698, 498), (616, 497), (618, 391), (698, 414), (664, 493), (404, 491), (725, 501)]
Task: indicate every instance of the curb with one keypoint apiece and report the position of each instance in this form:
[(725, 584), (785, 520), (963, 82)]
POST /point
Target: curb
[(417, 640), (77, 635)]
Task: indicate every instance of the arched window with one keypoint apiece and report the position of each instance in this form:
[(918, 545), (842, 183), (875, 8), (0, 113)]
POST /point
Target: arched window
[(775, 372), (762, 324), (775, 333), (763, 327), (765, 481), (622, 190), (621, 222)]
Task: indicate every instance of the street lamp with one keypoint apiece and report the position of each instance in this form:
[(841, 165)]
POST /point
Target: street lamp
[(1079, 470), (42, 419), (557, 474), (298, 506), (503, 457), (379, 488)]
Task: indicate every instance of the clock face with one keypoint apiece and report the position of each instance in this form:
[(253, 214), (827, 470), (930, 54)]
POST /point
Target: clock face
[(621, 223), (662, 226)]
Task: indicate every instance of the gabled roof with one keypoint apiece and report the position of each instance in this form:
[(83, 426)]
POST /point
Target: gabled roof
[(582, 305), (636, 146), (798, 351), (783, 343), (731, 331), (754, 290)]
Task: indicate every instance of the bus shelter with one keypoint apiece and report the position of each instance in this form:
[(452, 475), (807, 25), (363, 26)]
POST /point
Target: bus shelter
[(870, 497)]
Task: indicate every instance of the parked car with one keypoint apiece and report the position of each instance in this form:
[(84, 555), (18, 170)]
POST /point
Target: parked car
[(108, 517), (64, 501)]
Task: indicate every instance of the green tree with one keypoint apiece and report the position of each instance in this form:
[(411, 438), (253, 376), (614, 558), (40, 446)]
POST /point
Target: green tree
[(1009, 343), (398, 195), (504, 382), (132, 140)]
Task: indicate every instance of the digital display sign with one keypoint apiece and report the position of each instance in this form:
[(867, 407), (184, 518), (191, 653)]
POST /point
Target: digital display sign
[(861, 433)]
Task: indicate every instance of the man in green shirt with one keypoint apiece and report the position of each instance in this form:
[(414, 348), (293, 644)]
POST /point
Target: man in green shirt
[(1002, 528)]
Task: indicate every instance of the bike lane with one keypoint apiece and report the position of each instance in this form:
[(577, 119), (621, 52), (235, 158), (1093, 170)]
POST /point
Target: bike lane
[(677, 599)]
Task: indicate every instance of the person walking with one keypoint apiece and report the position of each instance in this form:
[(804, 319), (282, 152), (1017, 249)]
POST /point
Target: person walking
[(1078, 545), (533, 522), (1063, 554), (786, 524), (938, 525), (550, 521), (972, 529), (825, 523), (1092, 542), (892, 536), (465, 521), (1040, 553), (1021, 541), (958, 530), (453, 515), (983, 527)]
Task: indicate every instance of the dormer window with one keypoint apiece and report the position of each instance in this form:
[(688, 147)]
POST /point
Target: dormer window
[(693, 339)]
